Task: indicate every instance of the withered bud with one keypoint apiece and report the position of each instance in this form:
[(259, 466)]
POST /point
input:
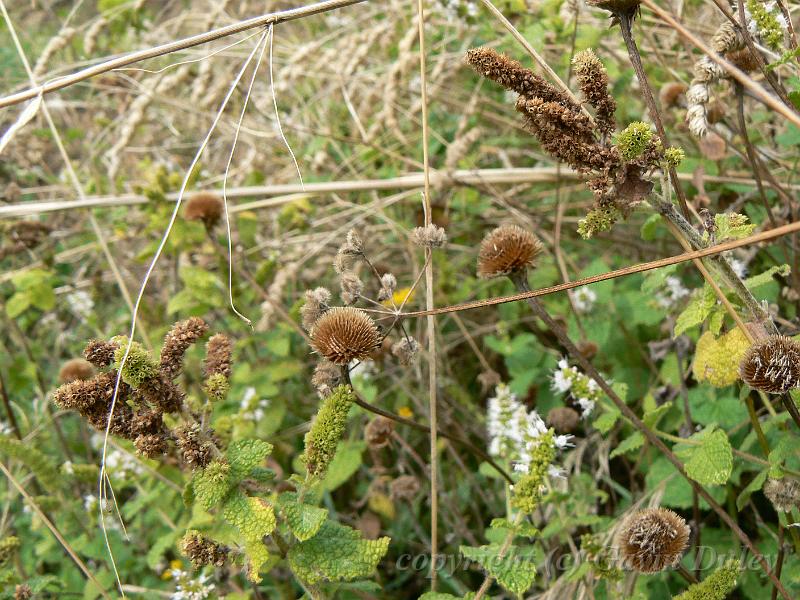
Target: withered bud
[(563, 419), (388, 286), (182, 335), (151, 445), (588, 349), (23, 592), (352, 286), (405, 487), (772, 365), (218, 356), (75, 368), (489, 380), (507, 249), (100, 353), (204, 206), (405, 350), (378, 432), (344, 334), (203, 551), (671, 93), (620, 9), (652, 540), (317, 302), (196, 449), (327, 377), (593, 80), (29, 233), (429, 236), (783, 493)]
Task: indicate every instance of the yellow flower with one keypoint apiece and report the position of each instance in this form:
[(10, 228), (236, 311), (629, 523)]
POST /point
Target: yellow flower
[(717, 360), (405, 412), (174, 565), (400, 295)]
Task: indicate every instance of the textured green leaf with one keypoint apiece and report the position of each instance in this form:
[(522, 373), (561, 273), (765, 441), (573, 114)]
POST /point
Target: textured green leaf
[(212, 484), (515, 571), (17, 304), (732, 226), (652, 417), (766, 277), (698, 309), (606, 420), (632, 442), (41, 465), (710, 462), (253, 517), (753, 486), (303, 519), (245, 455), (336, 553), (258, 559)]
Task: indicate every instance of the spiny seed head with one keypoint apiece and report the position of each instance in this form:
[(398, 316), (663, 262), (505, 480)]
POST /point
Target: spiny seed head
[(76, 368), (343, 334), (652, 540), (177, 341), (783, 493), (204, 206), (507, 249), (772, 365)]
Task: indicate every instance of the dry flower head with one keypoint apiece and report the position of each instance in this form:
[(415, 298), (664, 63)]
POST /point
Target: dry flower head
[(344, 334), (507, 249)]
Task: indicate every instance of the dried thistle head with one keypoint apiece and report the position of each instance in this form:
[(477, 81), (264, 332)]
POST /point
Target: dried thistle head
[(204, 206), (783, 493), (74, 369), (772, 365), (344, 334), (429, 236), (652, 539), (378, 432), (151, 445), (507, 249), (405, 350), (317, 302), (352, 287), (178, 339), (327, 377), (563, 419), (349, 253), (388, 286)]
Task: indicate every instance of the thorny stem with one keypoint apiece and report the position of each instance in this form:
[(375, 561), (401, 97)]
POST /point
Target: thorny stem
[(540, 311), (625, 25)]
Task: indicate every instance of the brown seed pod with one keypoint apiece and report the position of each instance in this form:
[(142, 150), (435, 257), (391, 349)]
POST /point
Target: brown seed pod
[(177, 341), (652, 540), (100, 353), (671, 93), (507, 249), (563, 419), (218, 356), (204, 206), (343, 334), (378, 432), (76, 368), (772, 365), (783, 493)]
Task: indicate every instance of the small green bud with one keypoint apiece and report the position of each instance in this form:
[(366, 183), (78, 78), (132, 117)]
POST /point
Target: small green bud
[(216, 387), (327, 430), (633, 140), (139, 366), (674, 156), (597, 220)]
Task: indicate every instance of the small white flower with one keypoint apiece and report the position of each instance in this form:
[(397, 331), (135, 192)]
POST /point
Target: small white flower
[(587, 406), (556, 472), (584, 298), (564, 441), (561, 383)]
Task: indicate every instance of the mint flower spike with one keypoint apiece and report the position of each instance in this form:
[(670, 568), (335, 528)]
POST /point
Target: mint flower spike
[(326, 431)]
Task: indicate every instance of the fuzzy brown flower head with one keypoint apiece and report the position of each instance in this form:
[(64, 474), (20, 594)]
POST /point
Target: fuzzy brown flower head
[(593, 80), (563, 419), (327, 377), (652, 540), (196, 448), (23, 592), (203, 551), (317, 302), (783, 493), (378, 432), (204, 206), (100, 353), (218, 356), (344, 334), (772, 365), (75, 368), (671, 93), (405, 487), (178, 339), (151, 445), (507, 249)]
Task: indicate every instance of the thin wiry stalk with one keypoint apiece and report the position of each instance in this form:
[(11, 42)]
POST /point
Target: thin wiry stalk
[(431, 322)]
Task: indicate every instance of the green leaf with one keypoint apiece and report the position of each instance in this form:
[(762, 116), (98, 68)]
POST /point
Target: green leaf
[(258, 559), (696, 311), (303, 519), (732, 226), (753, 486), (766, 277), (212, 484), (336, 553), (245, 455), (652, 417), (515, 571), (39, 463), (253, 517), (606, 420), (710, 462), (634, 441), (345, 463), (17, 304)]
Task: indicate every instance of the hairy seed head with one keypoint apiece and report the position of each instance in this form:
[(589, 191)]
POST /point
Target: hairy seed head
[(772, 365), (76, 368), (204, 206), (343, 334), (652, 540), (507, 249)]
